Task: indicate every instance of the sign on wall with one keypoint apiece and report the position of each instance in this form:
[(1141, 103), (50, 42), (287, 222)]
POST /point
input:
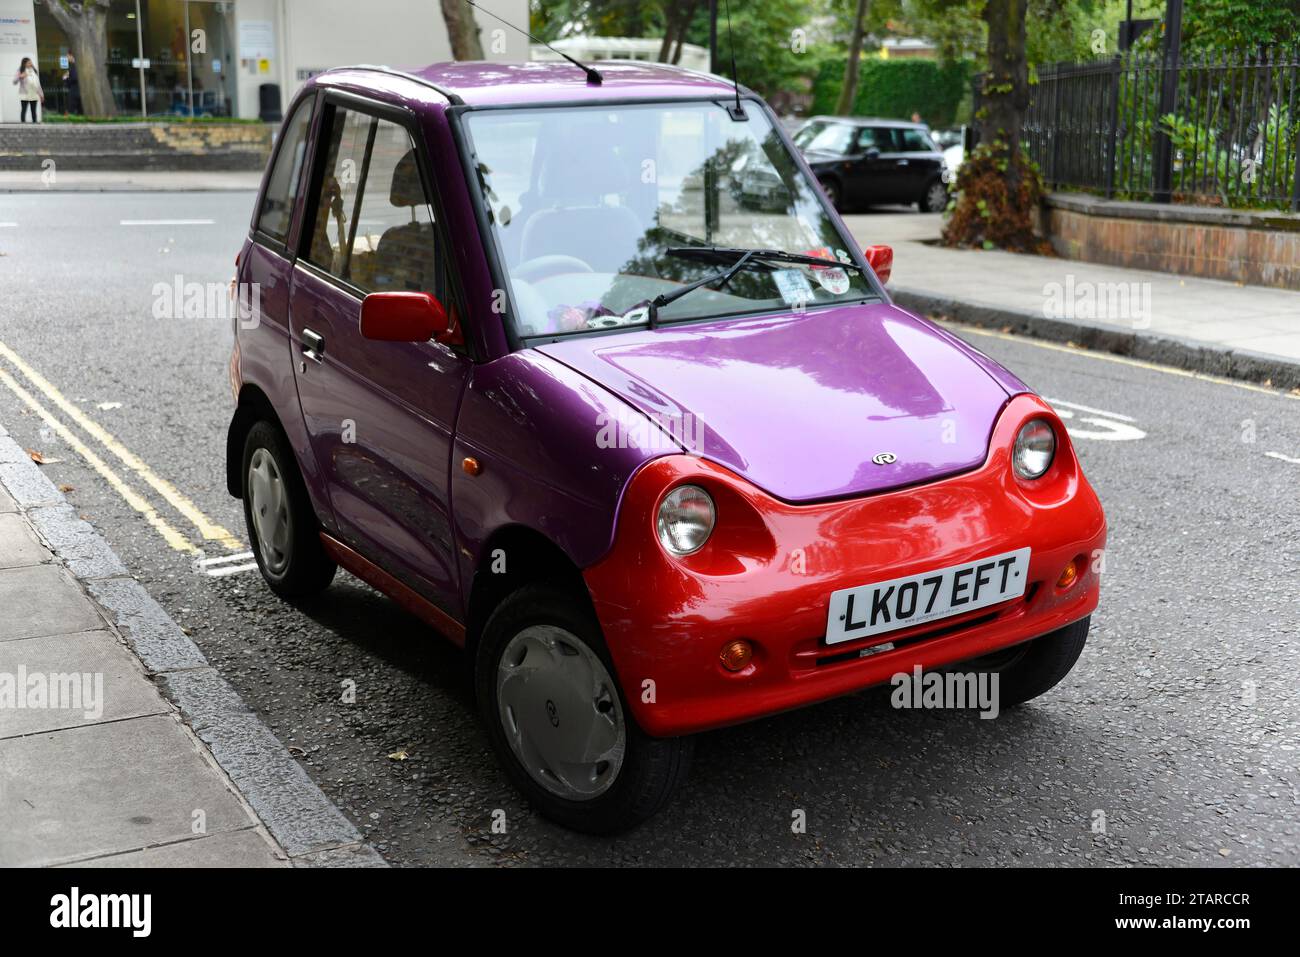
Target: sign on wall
[(17, 40)]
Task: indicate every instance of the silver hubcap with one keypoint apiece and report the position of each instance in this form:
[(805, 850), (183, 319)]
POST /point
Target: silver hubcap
[(269, 504), (938, 198), (561, 712)]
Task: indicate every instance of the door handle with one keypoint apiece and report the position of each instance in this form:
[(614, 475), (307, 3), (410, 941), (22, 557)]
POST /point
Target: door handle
[(902, 162), (313, 345)]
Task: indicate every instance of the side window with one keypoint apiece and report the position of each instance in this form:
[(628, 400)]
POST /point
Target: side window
[(915, 141), (875, 137), (373, 225), (282, 188)]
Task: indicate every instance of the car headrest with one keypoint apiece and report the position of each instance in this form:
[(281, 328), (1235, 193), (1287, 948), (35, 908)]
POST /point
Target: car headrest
[(407, 190)]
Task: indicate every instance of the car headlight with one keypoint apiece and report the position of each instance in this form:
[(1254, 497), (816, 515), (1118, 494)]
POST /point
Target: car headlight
[(686, 520), (1034, 449)]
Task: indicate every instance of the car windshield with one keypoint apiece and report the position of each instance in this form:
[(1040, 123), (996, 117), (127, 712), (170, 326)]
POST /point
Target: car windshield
[(826, 137), (592, 207)]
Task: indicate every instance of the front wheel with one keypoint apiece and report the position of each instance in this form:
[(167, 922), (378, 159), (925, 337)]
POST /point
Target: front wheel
[(558, 720), (1042, 665), (935, 199)]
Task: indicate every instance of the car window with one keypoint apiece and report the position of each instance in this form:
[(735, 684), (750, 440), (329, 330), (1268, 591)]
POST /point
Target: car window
[(915, 141), (875, 137), (372, 224), (825, 137), (282, 186)]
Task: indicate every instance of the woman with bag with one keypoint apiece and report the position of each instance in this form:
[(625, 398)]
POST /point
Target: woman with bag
[(29, 89)]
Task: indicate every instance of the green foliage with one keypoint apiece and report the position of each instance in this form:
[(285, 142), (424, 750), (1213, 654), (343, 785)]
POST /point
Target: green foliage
[(1240, 24), (897, 88), (1241, 173)]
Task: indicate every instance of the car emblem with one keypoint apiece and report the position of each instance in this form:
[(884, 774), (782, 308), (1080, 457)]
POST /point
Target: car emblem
[(884, 458)]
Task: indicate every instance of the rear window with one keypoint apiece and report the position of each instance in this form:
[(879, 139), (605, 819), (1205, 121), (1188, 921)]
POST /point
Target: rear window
[(282, 187), (915, 141)]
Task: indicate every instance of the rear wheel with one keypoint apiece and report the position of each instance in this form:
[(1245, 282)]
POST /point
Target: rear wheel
[(282, 527), (1042, 664), (558, 720)]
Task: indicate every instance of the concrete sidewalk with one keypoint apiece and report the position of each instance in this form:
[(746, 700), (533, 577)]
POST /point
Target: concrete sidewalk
[(119, 744), (1221, 328), (38, 180)]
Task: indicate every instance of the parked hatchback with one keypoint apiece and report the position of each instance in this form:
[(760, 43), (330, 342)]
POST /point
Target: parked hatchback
[(869, 162), (660, 462)]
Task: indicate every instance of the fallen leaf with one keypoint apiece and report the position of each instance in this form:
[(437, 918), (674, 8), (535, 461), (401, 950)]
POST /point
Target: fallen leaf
[(36, 456), (66, 488), (108, 406), (399, 755), (294, 749)]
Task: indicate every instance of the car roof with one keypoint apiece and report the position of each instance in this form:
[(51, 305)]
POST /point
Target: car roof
[(534, 83), (867, 121)]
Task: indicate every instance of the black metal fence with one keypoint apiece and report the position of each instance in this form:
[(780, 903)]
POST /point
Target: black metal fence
[(1219, 130)]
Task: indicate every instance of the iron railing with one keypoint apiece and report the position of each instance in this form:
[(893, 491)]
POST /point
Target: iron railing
[(1212, 129)]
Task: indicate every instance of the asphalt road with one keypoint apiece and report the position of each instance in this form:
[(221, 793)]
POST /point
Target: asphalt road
[(1178, 727)]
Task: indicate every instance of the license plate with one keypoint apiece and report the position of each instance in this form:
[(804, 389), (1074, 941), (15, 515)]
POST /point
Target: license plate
[(867, 610)]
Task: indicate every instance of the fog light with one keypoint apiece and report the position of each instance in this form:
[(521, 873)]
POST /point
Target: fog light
[(736, 654), (1069, 576)]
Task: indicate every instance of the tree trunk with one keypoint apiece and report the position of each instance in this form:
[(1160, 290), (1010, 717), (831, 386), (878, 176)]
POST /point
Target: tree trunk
[(85, 25), (1006, 85), (462, 30), (849, 92), (683, 29)]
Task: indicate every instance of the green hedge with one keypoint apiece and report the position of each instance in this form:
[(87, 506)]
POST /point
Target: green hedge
[(896, 89)]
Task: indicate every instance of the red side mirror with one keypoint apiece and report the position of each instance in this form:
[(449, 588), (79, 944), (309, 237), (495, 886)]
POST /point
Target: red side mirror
[(881, 259), (404, 317)]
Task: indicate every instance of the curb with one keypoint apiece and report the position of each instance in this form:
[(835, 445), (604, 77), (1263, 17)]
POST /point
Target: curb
[(1181, 353), (309, 828)]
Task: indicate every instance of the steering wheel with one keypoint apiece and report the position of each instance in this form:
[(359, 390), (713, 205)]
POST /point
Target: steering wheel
[(543, 267)]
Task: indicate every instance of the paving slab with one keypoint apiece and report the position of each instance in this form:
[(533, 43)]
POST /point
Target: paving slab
[(106, 788), (6, 503), (100, 681), (43, 600), (233, 849), (18, 546)]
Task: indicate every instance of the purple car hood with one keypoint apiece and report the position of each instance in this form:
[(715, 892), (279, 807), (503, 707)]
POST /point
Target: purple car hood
[(802, 405)]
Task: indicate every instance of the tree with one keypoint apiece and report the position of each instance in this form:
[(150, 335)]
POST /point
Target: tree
[(85, 26), (462, 30), (849, 92), (677, 21)]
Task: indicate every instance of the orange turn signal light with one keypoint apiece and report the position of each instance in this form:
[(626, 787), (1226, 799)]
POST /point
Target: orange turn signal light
[(736, 655), (1069, 576)]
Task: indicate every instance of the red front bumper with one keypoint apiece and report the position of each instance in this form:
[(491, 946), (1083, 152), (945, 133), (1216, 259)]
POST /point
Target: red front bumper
[(767, 573)]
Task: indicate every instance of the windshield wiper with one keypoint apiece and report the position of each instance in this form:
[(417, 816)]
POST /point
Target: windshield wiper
[(723, 253), (721, 278), (743, 258)]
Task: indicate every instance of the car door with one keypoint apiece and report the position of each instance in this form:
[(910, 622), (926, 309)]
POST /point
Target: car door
[(380, 415), (876, 169), (923, 160)]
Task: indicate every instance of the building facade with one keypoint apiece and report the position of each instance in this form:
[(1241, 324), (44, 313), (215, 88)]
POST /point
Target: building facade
[(212, 57)]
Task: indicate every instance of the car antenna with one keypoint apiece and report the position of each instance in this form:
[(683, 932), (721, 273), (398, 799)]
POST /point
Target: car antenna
[(737, 112), (593, 75)]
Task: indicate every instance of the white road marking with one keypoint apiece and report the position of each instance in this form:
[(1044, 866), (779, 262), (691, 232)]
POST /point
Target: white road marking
[(225, 565), (1283, 458), (1085, 408), (168, 222), (8, 225)]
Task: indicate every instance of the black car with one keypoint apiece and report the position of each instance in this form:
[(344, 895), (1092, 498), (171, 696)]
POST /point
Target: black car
[(867, 162)]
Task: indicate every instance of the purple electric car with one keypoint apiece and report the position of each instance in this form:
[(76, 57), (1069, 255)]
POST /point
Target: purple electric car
[(659, 460)]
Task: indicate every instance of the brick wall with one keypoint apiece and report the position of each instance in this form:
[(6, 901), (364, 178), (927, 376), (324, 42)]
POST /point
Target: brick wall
[(136, 146), (1245, 246)]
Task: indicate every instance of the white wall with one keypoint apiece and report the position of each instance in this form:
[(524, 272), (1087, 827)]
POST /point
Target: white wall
[(17, 40), (319, 34)]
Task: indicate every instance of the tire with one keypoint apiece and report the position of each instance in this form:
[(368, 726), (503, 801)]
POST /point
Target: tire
[(292, 560), (931, 201), (546, 625), (832, 190), (1043, 664)]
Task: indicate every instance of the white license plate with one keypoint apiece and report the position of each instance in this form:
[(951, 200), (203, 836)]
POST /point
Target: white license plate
[(867, 610)]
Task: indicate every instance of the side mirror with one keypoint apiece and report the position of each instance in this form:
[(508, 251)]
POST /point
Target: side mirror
[(404, 317), (871, 153), (881, 260)]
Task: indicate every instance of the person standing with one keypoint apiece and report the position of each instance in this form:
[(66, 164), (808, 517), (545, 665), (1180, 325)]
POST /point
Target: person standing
[(74, 86), (30, 93)]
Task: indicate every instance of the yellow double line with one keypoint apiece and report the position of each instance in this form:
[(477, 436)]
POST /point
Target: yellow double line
[(208, 530)]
